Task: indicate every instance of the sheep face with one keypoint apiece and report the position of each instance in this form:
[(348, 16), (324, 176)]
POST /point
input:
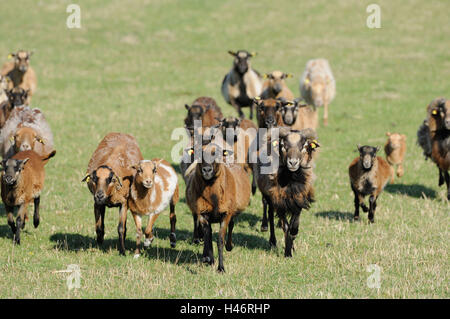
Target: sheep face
[(296, 150), (230, 123), (195, 113), (276, 80), (289, 112), (145, 173), (395, 140), (267, 112), (22, 60), (101, 183), (11, 170), (241, 62), (25, 138), (440, 112), (367, 155), (212, 157), (17, 96)]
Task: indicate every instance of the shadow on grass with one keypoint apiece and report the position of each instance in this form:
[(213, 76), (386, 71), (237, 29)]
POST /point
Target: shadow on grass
[(249, 218), (5, 232), (413, 190), (332, 214), (76, 242)]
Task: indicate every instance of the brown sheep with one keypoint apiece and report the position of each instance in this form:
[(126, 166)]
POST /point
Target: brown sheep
[(154, 187), (242, 83), (288, 187), (109, 176), (395, 149), (23, 129), (369, 174), (267, 112), (22, 182), (275, 87), (434, 138), (242, 140), (204, 109), (21, 73), (317, 85), (15, 97), (216, 192), (297, 115)]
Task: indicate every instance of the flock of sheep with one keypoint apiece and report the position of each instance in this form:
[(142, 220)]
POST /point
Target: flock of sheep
[(226, 160)]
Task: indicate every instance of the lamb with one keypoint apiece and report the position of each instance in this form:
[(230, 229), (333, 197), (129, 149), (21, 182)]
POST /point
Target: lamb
[(395, 149), (204, 109), (297, 115), (317, 85), (242, 83), (216, 193), (275, 86), (22, 181), (26, 129), (109, 177), (154, 187), (21, 73), (15, 97), (267, 112), (289, 187), (434, 138), (369, 174)]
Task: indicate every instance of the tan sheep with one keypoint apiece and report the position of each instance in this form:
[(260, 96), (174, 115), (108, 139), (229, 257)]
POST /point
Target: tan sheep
[(395, 149)]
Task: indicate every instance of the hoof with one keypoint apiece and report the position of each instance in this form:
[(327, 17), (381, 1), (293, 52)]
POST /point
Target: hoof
[(36, 223), (229, 247), (208, 260), (196, 241), (148, 241), (173, 240), (221, 269), (264, 228), (273, 244), (356, 218), (364, 208), (136, 256), (371, 221)]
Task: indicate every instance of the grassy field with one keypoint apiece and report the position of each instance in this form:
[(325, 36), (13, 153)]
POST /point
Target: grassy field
[(132, 67)]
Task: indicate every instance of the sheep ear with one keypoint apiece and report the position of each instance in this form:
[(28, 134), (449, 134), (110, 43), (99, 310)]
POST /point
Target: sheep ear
[(232, 53), (252, 54), (118, 179), (265, 76), (40, 140), (11, 55), (306, 81), (227, 152), (289, 75), (187, 107), (23, 162), (86, 178), (358, 147), (377, 149)]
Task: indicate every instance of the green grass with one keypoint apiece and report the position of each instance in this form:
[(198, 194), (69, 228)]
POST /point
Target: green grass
[(132, 67)]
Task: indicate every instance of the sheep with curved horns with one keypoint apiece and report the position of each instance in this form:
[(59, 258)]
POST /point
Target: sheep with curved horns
[(109, 176), (242, 83)]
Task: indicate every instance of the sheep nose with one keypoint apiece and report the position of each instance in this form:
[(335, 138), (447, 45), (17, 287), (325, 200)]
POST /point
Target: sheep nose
[(25, 147), (8, 179), (447, 123), (293, 162), (207, 170), (100, 195), (270, 121)]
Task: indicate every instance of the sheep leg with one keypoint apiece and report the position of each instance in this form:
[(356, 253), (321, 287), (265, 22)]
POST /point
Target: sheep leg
[(208, 254), (238, 108), (198, 233), (273, 239), (264, 219), (99, 211), (121, 229), (173, 221), (221, 239), (441, 177), (372, 207), (149, 237), (138, 223), (356, 216), (20, 221), (229, 245), (400, 170), (447, 181), (36, 218), (291, 233), (11, 223), (251, 111)]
